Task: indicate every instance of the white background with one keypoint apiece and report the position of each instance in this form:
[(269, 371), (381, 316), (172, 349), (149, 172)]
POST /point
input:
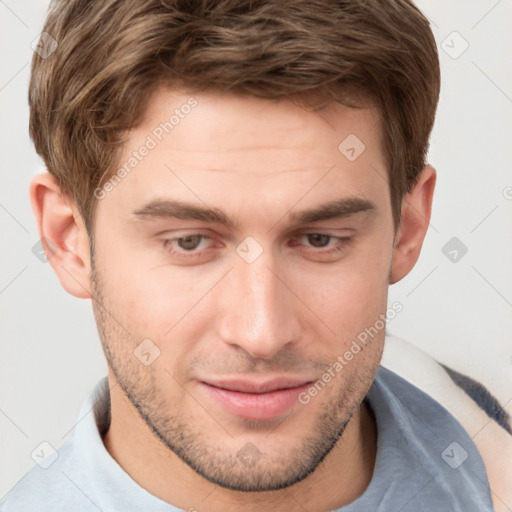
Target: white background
[(458, 312)]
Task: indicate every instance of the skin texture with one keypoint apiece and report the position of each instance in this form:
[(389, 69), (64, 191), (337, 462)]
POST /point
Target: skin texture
[(290, 312)]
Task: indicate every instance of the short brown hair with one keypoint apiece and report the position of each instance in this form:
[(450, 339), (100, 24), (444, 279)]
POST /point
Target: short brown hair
[(112, 54)]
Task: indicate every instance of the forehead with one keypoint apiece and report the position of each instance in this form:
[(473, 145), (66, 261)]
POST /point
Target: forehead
[(240, 151), (233, 123)]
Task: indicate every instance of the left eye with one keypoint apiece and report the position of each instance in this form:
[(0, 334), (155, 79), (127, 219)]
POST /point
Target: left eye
[(187, 243), (318, 239)]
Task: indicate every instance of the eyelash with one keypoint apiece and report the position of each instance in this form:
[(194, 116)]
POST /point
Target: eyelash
[(343, 242)]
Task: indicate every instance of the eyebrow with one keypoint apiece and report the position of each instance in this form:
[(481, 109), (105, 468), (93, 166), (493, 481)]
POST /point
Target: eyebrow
[(166, 208)]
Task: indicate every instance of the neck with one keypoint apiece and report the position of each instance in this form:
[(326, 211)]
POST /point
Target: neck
[(341, 477)]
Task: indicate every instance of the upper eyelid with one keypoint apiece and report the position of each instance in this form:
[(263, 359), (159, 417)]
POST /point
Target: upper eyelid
[(339, 238), (298, 231)]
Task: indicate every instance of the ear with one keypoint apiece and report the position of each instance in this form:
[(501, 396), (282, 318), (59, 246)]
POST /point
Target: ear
[(416, 210), (63, 235)]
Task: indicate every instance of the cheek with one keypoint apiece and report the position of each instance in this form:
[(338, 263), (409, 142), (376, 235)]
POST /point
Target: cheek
[(170, 308), (130, 298), (148, 291), (153, 307), (351, 307), (358, 283), (351, 298)]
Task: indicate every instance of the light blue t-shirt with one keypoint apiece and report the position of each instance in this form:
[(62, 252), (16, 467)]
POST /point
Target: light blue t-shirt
[(425, 462)]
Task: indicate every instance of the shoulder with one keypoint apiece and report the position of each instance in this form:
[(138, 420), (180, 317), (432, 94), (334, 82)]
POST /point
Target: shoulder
[(408, 402), (468, 402), (49, 489), (420, 435), (482, 397)]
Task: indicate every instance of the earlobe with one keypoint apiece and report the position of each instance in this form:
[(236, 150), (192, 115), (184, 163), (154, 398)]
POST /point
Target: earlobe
[(416, 211), (63, 235)]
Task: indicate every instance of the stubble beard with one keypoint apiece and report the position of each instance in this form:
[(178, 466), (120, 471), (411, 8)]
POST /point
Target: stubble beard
[(181, 434)]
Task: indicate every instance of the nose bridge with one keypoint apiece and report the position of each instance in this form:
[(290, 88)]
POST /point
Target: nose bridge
[(258, 311)]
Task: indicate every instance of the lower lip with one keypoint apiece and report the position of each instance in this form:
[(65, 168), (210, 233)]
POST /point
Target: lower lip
[(256, 406)]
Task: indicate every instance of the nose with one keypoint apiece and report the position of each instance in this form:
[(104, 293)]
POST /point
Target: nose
[(258, 312)]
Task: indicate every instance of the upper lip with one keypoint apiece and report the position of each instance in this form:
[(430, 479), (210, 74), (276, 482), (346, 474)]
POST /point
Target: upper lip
[(266, 386)]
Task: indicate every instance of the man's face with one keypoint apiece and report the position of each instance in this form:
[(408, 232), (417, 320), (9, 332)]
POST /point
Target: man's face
[(241, 317)]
